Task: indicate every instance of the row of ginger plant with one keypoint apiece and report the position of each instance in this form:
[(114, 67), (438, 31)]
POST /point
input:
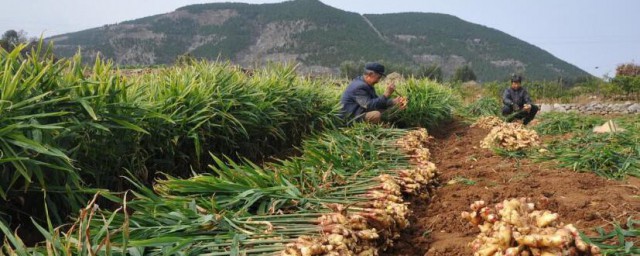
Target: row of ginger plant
[(342, 196), (71, 129)]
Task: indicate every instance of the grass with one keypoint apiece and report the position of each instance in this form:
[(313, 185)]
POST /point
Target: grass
[(619, 241), (485, 106), (613, 155), (560, 123)]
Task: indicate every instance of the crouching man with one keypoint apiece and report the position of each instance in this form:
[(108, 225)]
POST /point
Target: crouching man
[(517, 102), (360, 101)]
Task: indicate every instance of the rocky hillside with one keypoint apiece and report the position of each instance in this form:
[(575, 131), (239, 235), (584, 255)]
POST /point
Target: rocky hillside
[(318, 36)]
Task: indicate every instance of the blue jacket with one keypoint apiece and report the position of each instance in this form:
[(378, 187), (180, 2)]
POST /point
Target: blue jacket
[(519, 97), (359, 98)]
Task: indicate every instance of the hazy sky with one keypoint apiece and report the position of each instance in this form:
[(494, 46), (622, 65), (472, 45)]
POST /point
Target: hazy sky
[(595, 35)]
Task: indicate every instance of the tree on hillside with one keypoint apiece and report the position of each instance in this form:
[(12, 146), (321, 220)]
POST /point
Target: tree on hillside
[(464, 74), (433, 72), (628, 78), (628, 69), (11, 38), (351, 69), (186, 59)]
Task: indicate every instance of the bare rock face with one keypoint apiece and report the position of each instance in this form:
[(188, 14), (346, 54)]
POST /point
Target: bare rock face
[(272, 42), (448, 63)]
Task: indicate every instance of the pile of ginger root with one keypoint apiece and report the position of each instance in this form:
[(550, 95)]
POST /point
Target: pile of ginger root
[(515, 227)]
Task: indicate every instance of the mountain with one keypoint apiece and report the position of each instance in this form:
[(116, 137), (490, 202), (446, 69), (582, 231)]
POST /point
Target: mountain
[(318, 36)]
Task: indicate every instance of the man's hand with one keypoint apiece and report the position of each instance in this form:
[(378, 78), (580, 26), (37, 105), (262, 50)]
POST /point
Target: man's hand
[(390, 89), (515, 107), (400, 102), (527, 107)]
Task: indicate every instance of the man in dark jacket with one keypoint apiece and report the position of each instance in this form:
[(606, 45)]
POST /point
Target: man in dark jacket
[(360, 101), (517, 102)]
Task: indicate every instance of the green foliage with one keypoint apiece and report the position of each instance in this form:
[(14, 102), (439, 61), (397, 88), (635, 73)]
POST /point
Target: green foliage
[(561, 123), (67, 127), (433, 72), (238, 208), (464, 74), (429, 104), (627, 84), (351, 69), (613, 156), (485, 106), (186, 59), (551, 90), (619, 241), (11, 38), (34, 112)]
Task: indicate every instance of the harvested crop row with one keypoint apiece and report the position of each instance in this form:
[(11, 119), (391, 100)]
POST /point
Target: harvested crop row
[(343, 195), (373, 225)]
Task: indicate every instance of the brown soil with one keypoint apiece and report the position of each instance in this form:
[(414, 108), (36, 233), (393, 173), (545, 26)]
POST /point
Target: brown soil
[(584, 199)]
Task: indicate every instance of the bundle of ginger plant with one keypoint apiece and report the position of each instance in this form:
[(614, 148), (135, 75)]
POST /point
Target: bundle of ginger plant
[(361, 229), (365, 227)]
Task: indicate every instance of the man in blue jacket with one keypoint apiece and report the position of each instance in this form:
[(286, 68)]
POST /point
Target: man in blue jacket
[(517, 102), (360, 101)]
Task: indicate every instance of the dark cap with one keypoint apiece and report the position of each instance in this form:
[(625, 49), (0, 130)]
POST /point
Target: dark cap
[(375, 67), (516, 78)]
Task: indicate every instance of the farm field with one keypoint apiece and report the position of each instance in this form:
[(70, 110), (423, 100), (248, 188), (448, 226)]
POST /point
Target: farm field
[(208, 159), (469, 173)]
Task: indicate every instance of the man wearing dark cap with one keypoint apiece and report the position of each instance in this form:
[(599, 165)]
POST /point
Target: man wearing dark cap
[(360, 101), (517, 102)]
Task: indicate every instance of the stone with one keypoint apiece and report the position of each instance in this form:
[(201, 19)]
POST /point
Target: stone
[(635, 108), (546, 108), (608, 127), (558, 106)]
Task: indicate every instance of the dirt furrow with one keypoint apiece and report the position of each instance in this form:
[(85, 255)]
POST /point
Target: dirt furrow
[(469, 173)]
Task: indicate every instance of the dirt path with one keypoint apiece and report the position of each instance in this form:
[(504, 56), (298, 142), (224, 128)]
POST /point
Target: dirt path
[(583, 199)]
